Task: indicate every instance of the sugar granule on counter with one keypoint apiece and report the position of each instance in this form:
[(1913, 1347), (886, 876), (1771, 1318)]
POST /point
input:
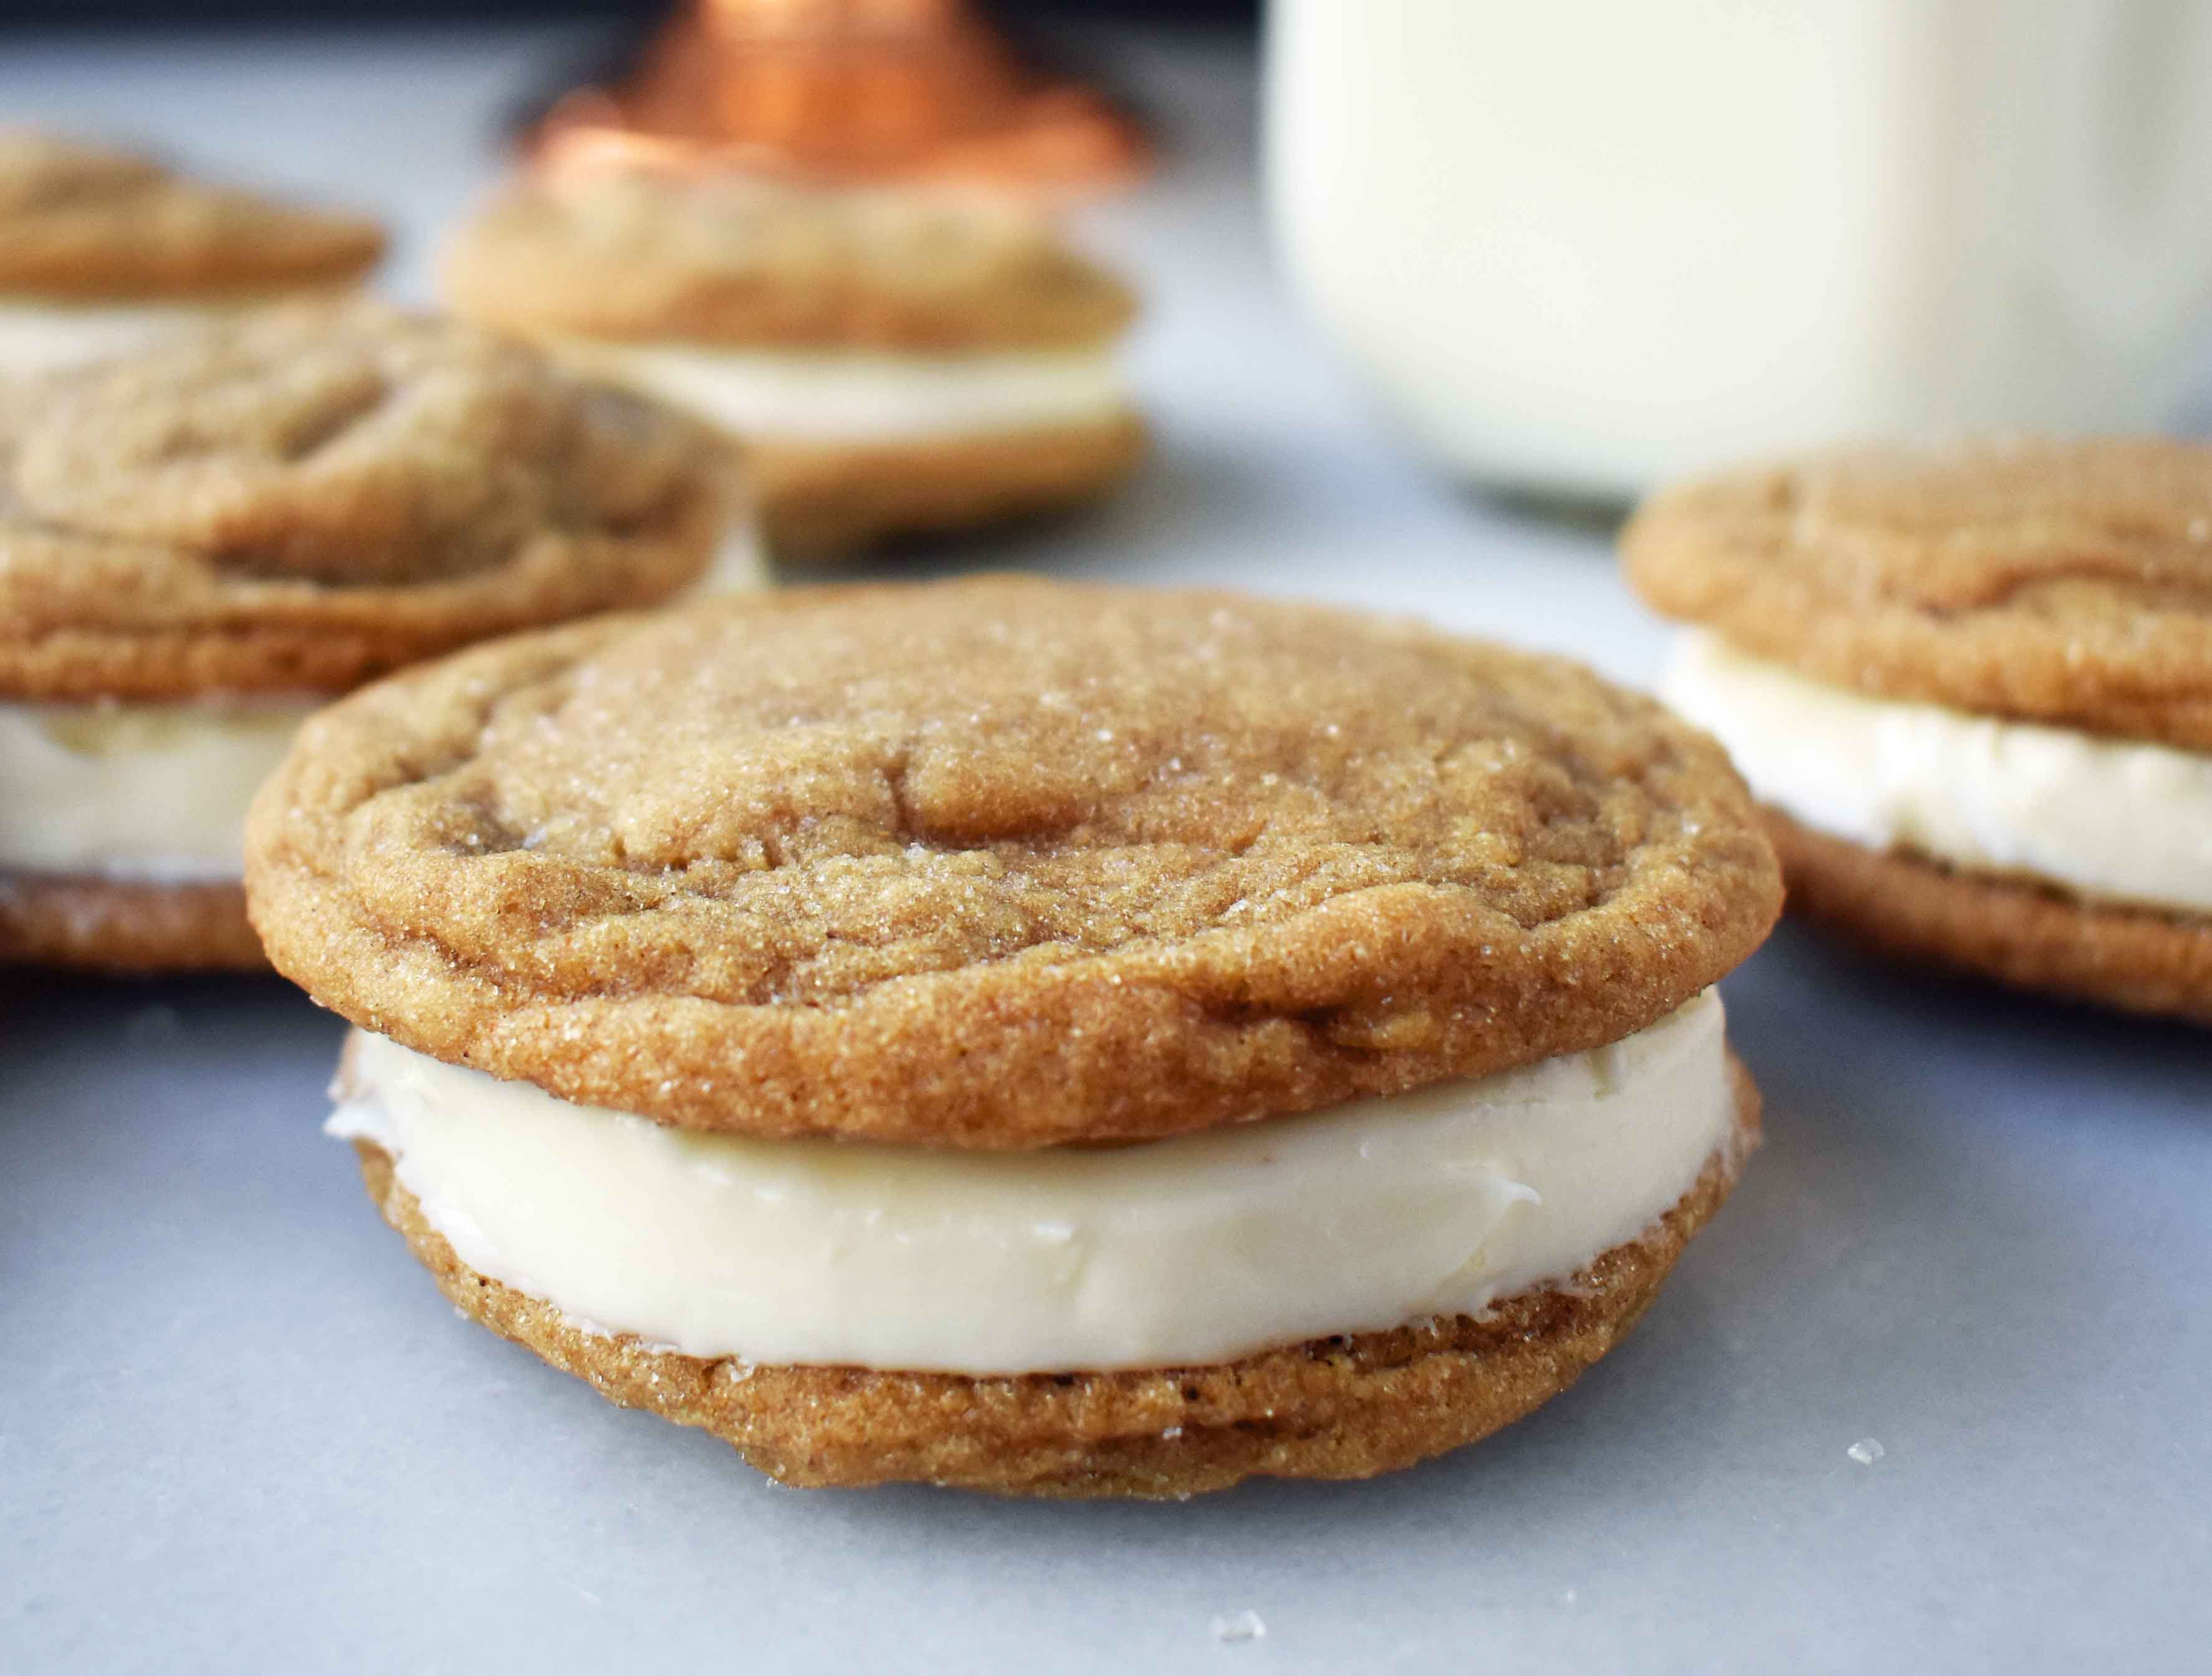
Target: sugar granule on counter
[(1244, 1625)]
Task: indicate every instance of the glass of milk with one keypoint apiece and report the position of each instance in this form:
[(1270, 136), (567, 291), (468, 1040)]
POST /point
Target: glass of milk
[(1580, 246)]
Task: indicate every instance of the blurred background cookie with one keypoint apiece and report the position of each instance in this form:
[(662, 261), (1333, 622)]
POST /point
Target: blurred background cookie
[(200, 544), (1973, 686), (895, 359), (103, 251)]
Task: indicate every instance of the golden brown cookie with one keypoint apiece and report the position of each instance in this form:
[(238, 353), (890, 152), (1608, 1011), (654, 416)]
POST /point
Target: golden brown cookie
[(897, 359), (312, 495), (1348, 1408), (87, 223), (732, 260), (1002, 863), (869, 896), (2015, 932), (820, 500), (2062, 582), (125, 926), (275, 509), (1976, 685)]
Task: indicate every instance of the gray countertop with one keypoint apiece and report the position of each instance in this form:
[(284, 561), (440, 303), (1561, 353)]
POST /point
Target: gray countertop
[(239, 1430)]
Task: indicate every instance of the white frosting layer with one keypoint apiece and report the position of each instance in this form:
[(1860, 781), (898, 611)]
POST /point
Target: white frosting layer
[(154, 792), (2109, 818), (739, 564), (40, 336), (1189, 1251), (792, 396)]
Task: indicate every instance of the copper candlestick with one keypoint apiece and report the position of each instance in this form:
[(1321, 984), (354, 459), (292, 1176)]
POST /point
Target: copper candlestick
[(847, 90)]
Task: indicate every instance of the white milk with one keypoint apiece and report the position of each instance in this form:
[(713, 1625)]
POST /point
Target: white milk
[(1584, 244)]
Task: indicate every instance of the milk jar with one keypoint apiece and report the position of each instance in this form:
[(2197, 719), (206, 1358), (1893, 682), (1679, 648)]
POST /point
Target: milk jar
[(1580, 246)]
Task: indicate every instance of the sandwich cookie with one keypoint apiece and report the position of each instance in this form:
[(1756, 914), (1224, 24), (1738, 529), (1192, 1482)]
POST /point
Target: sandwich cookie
[(1973, 688), (896, 359), (1040, 1038), (103, 251), (201, 545)]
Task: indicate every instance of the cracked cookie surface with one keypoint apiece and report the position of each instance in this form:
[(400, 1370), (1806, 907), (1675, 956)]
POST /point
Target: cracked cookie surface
[(1002, 863), (770, 264), (2069, 583), (310, 496), (88, 224)]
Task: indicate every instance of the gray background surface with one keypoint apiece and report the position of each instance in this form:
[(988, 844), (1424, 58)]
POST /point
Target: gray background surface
[(238, 1431)]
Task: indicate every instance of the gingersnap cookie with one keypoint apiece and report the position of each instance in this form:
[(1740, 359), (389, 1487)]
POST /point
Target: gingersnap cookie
[(1042, 1039), (1974, 687), (103, 251), (202, 544), (896, 359)]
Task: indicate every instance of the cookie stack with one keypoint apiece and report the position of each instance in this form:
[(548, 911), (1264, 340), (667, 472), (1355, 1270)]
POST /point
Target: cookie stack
[(896, 359), (201, 544), (1973, 686), (1041, 1039)]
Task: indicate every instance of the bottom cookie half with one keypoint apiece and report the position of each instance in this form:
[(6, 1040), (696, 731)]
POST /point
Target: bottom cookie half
[(125, 927), (2135, 959), (820, 500), (1333, 1408)]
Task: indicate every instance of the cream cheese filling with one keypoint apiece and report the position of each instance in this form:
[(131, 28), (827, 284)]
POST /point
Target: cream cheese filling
[(41, 335), (1189, 1251), (739, 564), (2109, 818), (860, 397), (156, 792)]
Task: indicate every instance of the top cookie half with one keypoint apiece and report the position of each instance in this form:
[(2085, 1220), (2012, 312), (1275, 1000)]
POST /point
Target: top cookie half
[(741, 262), (1002, 863), (314, 495), (2069, 583), (86, 223)]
